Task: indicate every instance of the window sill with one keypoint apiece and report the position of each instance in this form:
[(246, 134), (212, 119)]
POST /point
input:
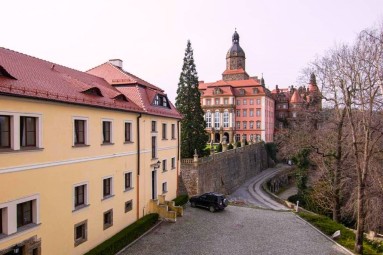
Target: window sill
[(164, 139), (164, 171), (128, 142), (107, 197), (80, 145), (164, 192), (80, 241), (107, 144), (173, 168), (154, 159), (128, 189), (78, 208), (154, 132), (21, 230), (23, 149), (106, 226), (174, 138)]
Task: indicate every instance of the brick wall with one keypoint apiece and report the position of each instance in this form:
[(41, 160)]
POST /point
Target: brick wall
[(223, 172)]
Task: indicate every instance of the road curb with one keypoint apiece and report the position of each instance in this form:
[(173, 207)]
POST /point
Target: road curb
[(327, 237), (139, 238)]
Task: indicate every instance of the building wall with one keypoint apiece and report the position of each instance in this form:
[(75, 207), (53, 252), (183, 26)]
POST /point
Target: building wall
[(224, 172), (49, 174)]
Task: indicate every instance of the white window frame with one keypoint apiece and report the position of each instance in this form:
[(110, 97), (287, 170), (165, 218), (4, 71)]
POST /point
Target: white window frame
[(131, 180), (217, 120), (258, 112), (131, 131), (173, 131), (86, 197), (164, 187), (86, 136), (9, 216), (111, 187), (258, 124), (111, 130), (15, 118), (225, 119), (164, 164), (208, 119), (164, 131)]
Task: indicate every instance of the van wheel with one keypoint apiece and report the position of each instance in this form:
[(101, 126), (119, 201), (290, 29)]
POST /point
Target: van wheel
[(211, 209), (192, 204)]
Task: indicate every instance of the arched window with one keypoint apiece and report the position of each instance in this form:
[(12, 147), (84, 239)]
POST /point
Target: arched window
[(216, 120), (225, 119), (208, 119)]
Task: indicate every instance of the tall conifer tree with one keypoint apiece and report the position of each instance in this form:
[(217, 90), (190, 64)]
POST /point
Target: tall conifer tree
[(188, 103)]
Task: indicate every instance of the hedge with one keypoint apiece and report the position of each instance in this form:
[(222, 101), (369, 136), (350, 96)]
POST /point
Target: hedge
[(125, 236), (181, 200)]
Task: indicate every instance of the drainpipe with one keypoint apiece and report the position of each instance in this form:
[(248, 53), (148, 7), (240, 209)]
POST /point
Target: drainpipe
[(178, 155), (138, 166)]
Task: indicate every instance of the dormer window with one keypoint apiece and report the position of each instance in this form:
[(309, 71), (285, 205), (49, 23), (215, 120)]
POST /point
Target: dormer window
[(242, 92), (161, 100), (120, 97), (255, 91), (217, 91), (93, 91), (4, 73)]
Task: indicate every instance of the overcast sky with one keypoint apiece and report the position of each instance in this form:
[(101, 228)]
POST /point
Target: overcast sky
[(279, 37)]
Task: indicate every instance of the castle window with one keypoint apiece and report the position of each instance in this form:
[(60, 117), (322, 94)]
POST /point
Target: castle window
[(216, 120), (217, 101), (208, 119), (242, 92), (255, 91), (226, 119)]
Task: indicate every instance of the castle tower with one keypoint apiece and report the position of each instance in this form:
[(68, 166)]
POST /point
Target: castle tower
[(235, 62)]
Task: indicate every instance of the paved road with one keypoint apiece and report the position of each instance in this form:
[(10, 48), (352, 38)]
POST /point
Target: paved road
[(236, 230), (251, 192)]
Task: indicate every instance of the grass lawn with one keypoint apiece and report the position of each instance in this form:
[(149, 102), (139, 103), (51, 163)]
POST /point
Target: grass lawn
[(347, 238)]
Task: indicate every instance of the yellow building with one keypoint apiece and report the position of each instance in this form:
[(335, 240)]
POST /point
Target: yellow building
[(79, 159)]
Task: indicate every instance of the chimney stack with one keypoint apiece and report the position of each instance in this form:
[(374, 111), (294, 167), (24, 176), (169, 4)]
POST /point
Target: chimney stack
[(116, 62)]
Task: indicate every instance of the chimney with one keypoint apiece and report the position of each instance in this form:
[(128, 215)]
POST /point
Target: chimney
[(116, 62)]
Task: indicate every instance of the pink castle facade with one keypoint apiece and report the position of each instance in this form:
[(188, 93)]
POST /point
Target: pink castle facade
[(238, 107)]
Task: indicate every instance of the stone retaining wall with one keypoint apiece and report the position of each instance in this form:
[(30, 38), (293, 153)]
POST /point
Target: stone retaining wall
[(223, 172)]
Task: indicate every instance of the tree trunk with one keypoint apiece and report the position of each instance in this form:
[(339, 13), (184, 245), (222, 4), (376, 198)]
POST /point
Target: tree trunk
[(360, 219)]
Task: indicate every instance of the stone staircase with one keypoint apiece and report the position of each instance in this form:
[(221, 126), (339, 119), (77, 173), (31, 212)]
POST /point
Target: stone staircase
[(166, 209)]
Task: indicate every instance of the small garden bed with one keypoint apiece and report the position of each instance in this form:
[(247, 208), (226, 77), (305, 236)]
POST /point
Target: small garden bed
[(347, 236), (125, 236), (181, 200)]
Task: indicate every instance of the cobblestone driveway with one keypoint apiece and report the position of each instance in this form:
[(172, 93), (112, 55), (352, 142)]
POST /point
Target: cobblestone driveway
[(237, 230)]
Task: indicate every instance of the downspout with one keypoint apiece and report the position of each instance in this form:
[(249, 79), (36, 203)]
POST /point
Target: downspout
[(178, 155), (138, 166)]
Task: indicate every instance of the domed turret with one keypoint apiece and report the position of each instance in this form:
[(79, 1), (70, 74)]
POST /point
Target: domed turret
[(235, 50), (235, 57)]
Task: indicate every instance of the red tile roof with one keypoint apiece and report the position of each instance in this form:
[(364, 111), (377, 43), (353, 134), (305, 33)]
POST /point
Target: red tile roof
[(40, 79), (233, 87), (234, 71), (141, 92)]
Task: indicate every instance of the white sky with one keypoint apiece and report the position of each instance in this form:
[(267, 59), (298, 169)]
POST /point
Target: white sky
[(279, 37)]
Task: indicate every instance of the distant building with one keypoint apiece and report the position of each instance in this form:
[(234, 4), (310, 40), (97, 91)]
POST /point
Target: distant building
[(238, 106), (291, 102)]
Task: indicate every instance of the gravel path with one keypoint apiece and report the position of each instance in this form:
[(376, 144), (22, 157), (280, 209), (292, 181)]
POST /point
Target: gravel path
[(236, 230)]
